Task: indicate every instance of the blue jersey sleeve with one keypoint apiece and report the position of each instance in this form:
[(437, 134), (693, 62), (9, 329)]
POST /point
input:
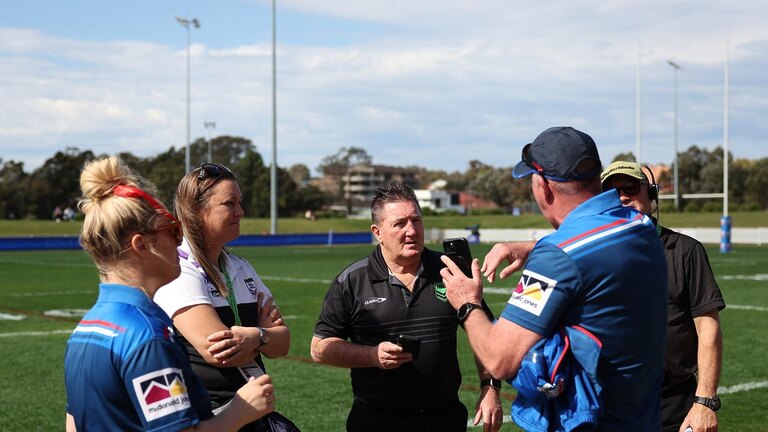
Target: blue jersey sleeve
[(549, 284), (165, 392)]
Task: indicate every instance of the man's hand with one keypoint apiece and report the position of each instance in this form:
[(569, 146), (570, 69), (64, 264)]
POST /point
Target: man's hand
[(488, 409), (459, 288), (515, 253), (387, 355), (701, 419)]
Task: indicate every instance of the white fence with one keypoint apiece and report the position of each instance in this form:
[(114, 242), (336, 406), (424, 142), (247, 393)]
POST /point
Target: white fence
[(754, 236)]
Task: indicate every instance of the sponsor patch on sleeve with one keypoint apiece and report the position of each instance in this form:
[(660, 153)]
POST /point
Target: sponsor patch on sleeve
[(161, 393), (532, 292)]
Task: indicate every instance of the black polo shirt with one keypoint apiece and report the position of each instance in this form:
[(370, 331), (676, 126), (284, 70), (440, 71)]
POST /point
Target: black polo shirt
[(693, 291), (363, 306)]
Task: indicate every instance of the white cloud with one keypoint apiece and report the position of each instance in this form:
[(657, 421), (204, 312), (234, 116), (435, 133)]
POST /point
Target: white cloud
[(434, 83)]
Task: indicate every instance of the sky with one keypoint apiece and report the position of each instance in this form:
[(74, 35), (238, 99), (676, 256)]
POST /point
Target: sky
[(428, 83)]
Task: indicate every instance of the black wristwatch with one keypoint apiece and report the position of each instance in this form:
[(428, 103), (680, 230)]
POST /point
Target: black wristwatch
[(712, 403), (465, 309), (263, 337), (493, 382)]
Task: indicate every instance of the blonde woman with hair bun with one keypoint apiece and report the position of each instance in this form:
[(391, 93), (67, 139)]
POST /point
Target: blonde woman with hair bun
[(124, 369)]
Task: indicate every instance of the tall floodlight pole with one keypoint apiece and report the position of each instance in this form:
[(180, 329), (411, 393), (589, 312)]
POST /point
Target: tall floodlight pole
[(208, 127), (186, 23), (637, 110), (676, 67), (273, 170), (725, 122)]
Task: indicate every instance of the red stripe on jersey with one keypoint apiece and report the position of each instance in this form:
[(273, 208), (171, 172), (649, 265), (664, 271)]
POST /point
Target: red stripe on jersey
[(596, 230), (103, 324)]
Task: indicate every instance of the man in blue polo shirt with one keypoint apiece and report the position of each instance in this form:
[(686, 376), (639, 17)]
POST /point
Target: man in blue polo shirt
[(603, 271)]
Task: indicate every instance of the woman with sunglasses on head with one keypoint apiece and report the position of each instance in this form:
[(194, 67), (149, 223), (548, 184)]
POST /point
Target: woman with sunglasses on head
[(219, 305), (124, 367)]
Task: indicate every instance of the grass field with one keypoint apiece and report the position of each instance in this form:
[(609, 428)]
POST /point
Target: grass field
[(316, 397)]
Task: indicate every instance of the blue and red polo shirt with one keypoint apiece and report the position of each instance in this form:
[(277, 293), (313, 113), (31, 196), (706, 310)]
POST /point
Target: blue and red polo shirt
[(604, 270), (125, 370)]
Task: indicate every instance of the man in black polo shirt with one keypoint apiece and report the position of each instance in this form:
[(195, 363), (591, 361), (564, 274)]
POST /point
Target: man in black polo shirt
[(398, 290), (694, 339)]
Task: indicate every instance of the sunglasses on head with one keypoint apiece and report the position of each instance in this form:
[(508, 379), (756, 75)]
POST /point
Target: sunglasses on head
[(630, 188), (175, 229), (209, 170)]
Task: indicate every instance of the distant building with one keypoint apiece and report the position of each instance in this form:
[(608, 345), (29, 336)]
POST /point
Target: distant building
[(439, 200), (361, 181)]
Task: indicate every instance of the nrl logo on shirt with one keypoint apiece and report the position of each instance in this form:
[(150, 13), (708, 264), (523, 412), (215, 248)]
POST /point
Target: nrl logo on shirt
[(532, 292), (440, 293), (161, 393), (251, 285), (373, 300)]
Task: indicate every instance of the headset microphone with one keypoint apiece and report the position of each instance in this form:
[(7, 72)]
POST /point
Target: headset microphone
[(653, 194), (653, 187)]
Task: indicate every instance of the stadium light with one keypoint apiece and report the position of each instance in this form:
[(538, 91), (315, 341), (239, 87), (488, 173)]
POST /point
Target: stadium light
[(273, 169), (208, 126), (187, 23), (676, 67)]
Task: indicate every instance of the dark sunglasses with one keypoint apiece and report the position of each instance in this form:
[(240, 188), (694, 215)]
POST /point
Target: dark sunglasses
[(630, 188), (175, 229), (209, 170)]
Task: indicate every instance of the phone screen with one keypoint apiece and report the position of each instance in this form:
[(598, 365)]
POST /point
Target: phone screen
[(458, 250)]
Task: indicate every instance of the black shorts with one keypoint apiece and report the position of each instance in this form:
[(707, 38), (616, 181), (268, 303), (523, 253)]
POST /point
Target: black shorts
[(676, 401), (366, 418)]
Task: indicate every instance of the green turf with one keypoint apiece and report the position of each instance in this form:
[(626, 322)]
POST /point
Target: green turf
[(317, 397)]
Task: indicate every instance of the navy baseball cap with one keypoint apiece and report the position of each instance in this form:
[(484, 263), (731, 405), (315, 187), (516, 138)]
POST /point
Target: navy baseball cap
[(557, 153)]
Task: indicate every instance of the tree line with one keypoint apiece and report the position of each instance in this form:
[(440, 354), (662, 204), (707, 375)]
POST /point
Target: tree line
[(56, 182)]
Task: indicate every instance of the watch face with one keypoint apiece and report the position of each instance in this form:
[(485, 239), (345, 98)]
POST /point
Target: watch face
[(465, 309), (715, 403)]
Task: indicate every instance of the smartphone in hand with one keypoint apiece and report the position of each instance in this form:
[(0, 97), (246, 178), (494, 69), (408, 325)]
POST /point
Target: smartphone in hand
[(410, 344), (458, 251)]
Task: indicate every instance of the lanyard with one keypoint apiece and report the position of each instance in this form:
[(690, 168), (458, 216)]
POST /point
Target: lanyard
[(231, 299)]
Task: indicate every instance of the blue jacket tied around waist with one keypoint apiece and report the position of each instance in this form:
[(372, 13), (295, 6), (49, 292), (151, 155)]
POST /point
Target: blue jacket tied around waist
[(557, 383)]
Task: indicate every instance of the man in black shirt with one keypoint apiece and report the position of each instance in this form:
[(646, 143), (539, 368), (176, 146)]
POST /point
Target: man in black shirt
[(694, 338), (395, 291)]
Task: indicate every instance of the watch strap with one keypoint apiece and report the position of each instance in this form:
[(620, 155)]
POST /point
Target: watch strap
[(493, 382), (712, 403), (263, 337)]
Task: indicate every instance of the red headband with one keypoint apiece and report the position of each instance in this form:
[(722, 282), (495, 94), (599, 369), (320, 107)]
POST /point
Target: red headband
[(127, 191)]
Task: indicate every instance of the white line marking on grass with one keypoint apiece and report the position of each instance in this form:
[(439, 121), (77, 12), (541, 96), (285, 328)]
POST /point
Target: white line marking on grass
[(68, 313), (11, 317), (500, 290), (50, 293), (754, 277), (46, 263), (742, 387), (747, 307), (293, 279), (36, 333)]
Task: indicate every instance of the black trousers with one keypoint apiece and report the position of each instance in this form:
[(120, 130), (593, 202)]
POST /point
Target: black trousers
[(366, 418), (676, 401)]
